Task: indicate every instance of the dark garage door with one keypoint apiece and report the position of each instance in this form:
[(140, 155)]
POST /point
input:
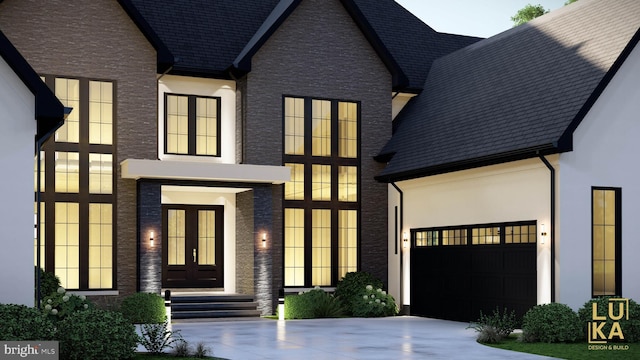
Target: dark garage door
[(457, 282)]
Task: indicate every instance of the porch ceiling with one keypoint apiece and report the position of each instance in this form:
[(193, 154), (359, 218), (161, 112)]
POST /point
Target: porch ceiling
[(198, 170)]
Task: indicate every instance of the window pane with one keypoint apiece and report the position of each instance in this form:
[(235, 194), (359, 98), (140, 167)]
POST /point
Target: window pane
[(321, 182), (35, 236), (348, 183), (177, 132), (67, 166), (176, 237), (321, 128), (100, 246), (294, 126), (321, 247), (605, 242), (100, 112), (347, 130), (206, 126), (347, 242), (294, 247), (35, 173), (67, 240), (206, 237), (294, 189), (68, 92), (100, 173)]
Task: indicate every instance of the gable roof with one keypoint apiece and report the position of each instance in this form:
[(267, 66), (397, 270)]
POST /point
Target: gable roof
[(516, 95), (49, 111), (214, 38)]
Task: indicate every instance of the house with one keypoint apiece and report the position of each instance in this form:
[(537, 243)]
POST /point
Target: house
[(224, 146), (513, 175), (30, 114)]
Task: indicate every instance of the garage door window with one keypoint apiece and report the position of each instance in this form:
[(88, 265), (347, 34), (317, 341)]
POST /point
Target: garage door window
[(523, 232)]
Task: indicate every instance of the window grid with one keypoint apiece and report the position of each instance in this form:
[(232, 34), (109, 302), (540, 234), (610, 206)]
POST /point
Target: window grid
[(206, 127), (347, 242), (175, 237), (67, 248), (294, 247), (524, 232), (100, 173), (605, 242), (100, 112), (321, 247), (294, 126), (192, 125), (68, 92), (348, 130), (321, 128), (100, 246), (348, 183), (294, 189), (520, 234), (67, 167), (485, 235), (426, 238), (206, 237)]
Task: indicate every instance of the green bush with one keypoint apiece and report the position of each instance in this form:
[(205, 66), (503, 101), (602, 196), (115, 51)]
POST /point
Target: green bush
[(157, 337), (19, 322), (495, 327), (96, 334), (350, 289), (60, 304), (630, 328), (374, 302), (551, 323), (312, 304), (143, 308), (49, 283)]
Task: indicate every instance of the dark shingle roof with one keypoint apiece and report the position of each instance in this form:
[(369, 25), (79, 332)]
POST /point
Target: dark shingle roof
[(515, 94), (48, 112), (205, 37)]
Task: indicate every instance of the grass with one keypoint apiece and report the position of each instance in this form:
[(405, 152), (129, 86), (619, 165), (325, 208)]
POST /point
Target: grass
[(571, 351)]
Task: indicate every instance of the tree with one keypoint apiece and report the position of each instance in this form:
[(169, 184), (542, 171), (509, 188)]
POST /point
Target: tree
[(569, 2), (527, 13)]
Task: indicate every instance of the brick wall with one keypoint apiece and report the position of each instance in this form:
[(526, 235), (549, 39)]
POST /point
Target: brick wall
[(320, 52), (96, 39)]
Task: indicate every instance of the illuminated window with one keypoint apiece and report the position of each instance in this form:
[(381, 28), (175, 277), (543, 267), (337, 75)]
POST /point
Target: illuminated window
[(100, 112), (206, 237), (511, 234), (176, 237), (67, 248), (100, 173), (192, 125), (606, 241), (485, 235), (321, 149), (520, 234), (426, 238), (100, 246), (67, 172), (68, 92)]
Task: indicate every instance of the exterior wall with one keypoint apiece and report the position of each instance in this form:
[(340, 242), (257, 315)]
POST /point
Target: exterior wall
[(320, 52), (225, 90), (516, 191), (98, 40), (17, 146), (605, 149), (244, 246)]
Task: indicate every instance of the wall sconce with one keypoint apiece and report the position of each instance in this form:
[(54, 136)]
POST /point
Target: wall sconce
[(405, 240), (151, 238), (543, 233), (264, 239)]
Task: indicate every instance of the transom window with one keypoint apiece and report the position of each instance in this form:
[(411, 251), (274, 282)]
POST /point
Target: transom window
[(606, 241), (321, 202), (192, 125), (490, 234)]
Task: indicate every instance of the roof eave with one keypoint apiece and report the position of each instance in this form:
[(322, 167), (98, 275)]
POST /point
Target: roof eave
[(467, 164)]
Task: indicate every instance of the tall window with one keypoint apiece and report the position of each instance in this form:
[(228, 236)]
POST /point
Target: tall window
[(192, 125), (606, 241), (77, 208), (321, 201)]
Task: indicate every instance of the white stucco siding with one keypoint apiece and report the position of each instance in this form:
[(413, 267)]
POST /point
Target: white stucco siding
[(517, 191), (17, 106), (184, 85), (605, 153)]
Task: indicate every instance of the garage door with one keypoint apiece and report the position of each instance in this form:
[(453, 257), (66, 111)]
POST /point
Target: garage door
[(458, 272)]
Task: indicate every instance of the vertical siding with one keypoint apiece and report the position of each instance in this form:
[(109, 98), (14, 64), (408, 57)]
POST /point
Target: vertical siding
[(96, 39)]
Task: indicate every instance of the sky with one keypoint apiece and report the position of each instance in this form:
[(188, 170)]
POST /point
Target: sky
[(483, 18)]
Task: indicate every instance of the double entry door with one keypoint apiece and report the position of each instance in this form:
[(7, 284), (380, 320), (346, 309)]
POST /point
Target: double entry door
[(193, 246)]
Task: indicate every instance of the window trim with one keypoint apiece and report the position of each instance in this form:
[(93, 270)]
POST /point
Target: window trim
[(618, 240), (191, 118)]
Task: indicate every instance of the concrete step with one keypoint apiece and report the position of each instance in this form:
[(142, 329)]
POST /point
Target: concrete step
[(213, 306)]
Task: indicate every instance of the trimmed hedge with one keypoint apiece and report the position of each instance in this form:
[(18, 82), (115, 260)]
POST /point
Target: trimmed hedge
[(19, 322), (551, 323), (143, 308)]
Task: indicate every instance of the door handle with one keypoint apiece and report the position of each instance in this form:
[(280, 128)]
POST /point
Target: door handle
[(194, 255)]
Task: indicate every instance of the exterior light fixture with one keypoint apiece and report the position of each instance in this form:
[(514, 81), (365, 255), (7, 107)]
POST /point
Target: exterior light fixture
[(264, 239), (543, 233), (405, 239), (151, 238)]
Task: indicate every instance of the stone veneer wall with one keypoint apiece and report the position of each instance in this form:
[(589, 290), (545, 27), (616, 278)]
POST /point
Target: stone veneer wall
[(244, 243), (320, 52), (96, 39)]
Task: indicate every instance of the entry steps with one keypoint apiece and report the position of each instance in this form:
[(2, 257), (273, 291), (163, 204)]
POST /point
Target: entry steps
[(190, 306)]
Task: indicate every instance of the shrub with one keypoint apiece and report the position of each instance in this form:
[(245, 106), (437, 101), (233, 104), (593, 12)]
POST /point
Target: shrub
[(60, 304), (630, 328), (551, 323), (374, 302), (181, 349), (19, 322), (49, 283), (495, 327), (201, 351), (96, 334), (143, 308), (311, 304), (157, 337), (350, 289)]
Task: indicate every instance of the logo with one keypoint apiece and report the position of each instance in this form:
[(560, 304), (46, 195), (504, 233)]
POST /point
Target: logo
[(29, 350), (618, 309)]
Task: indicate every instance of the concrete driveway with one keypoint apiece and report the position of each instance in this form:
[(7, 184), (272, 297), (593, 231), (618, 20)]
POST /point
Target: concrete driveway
[(390, 338)]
